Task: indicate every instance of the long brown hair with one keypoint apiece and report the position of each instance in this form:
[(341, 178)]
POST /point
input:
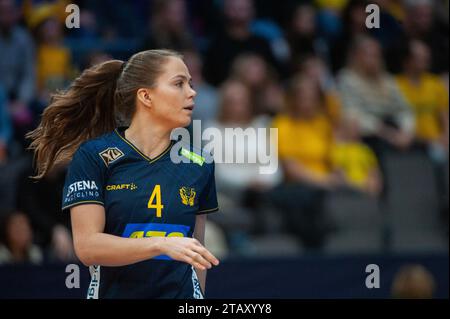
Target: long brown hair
[(100, 99)]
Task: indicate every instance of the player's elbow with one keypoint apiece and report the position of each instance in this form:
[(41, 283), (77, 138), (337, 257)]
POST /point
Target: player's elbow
[(84, 252)]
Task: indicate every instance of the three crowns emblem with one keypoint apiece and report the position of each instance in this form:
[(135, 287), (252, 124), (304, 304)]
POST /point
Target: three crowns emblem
[(187, 195)]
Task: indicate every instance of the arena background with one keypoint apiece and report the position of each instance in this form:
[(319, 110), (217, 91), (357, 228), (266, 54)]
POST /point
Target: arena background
[(252, 62)]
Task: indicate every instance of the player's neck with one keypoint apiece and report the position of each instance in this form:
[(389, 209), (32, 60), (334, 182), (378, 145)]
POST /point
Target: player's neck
[(151, 140)]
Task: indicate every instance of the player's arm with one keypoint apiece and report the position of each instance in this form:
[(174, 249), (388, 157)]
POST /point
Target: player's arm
[(94, 247), (199, 234)]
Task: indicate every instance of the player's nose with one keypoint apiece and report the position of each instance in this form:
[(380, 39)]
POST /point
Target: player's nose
[(192, 93)]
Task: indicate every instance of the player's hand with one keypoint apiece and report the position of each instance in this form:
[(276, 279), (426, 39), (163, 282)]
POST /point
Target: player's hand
[(188, 250)]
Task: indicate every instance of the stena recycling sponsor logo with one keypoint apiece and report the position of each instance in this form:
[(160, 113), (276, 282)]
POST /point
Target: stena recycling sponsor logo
[(82, 189)]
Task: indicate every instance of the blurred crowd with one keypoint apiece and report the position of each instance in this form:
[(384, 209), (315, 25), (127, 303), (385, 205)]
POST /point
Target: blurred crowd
[(340, 94)]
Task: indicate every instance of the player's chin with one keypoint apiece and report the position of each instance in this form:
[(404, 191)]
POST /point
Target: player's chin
[(185, 121)]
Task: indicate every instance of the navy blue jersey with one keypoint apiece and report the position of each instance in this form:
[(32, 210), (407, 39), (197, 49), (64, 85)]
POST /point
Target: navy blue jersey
[(142, 197)]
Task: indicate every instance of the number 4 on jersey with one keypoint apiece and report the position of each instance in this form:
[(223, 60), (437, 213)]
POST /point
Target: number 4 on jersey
[(156, 196)]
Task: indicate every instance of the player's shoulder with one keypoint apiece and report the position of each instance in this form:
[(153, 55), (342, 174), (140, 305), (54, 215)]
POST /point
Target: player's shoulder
[(94, 144), (103, 144)]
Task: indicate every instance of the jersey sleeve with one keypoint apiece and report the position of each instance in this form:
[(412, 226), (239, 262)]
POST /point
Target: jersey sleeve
[(85, 180), (208, 197)]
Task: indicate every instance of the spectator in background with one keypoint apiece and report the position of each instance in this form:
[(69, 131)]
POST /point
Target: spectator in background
[(413, 282), (237, 112), (428, 97), (272, 32), (371, 97), (89, 29), (329, 17), (3, 153), (426, 94), (420, 24), (395, 8), (355, 161), (315, 69), (444, 78), (253, 71), (16, 240), (5, 135), (11, 161), (168, 26), (305, 135), (40, 201), (236, 38), (111, 20), (5, 125), (34, 11), (54, 67), (10, 168), (353, 25), (16, 67), (240, 185), (390, 25), (302, 34), (304, 144), (11, 165)]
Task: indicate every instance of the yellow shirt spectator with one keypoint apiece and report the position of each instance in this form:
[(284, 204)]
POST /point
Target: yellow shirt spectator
[(331, 4), (53, 67), (355, 160), (307, 141), (333, 107), (428, 99)]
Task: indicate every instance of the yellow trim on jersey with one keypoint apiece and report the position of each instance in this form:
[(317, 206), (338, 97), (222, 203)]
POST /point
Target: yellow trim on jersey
[(84, 202), (142, 154)]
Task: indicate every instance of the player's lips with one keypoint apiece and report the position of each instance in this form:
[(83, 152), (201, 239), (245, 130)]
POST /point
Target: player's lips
[(189, 107)]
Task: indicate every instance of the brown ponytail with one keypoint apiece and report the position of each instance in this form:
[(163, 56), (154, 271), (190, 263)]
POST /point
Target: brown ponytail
[(101, 98)]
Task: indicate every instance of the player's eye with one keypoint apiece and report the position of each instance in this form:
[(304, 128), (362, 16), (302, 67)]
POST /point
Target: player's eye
[(179, 84)]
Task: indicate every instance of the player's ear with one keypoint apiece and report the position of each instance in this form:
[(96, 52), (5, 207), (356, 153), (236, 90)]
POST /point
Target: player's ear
[(144, 97)]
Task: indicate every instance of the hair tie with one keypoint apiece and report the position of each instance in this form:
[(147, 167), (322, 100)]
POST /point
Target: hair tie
[(122, 67)]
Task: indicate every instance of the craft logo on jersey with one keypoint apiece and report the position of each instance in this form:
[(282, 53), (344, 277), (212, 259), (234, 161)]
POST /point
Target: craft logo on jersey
[(187, 195), (117, 187), (110, 155)]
